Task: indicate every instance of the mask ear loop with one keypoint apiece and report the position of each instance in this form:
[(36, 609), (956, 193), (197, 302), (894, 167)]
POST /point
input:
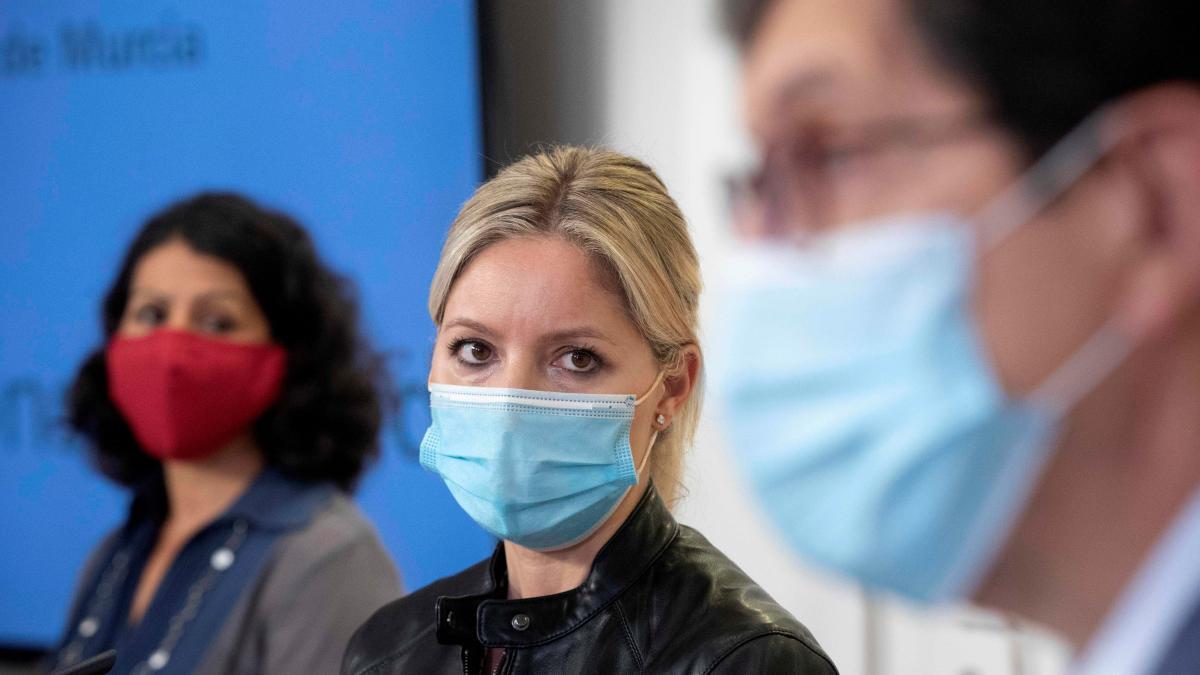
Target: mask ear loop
[(1083, 371), (1050, 176), (1063, 165), (646, 457), (657, 381), (653, 437)]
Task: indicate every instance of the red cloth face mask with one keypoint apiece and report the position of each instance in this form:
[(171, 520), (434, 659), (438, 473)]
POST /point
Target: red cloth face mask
[(186, 395)]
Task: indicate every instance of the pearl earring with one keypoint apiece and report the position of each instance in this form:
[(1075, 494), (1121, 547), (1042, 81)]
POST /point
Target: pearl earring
[(662, 421)]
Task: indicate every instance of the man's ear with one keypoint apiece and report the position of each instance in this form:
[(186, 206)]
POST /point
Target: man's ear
[(1160, 128)]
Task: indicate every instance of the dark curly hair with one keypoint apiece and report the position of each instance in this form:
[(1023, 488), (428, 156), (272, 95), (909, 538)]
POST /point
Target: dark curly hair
[(325, 425)]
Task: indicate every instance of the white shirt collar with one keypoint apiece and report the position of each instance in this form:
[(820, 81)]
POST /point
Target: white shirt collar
[(1139, 629)]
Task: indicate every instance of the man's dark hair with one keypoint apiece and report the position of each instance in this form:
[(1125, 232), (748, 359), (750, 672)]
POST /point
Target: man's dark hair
[(742, 18), (325, 425), (1043, 66)]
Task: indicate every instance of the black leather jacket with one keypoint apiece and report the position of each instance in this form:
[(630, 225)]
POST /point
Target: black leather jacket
[(659, 599)]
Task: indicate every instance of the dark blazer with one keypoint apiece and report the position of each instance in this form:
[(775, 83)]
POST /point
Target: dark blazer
[(658, 599)]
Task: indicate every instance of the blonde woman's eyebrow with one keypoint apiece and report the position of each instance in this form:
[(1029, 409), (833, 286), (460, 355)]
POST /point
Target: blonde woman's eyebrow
[(581, 332), (470, 324)]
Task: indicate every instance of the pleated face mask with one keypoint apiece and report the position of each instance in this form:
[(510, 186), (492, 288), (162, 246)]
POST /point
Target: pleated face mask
[(881, 441), (541, 469)]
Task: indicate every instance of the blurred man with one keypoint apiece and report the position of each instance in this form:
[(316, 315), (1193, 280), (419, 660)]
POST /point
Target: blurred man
[(966, 362)]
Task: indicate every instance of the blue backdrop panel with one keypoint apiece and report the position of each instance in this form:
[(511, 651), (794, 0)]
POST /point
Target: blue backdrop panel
[(360, 118)]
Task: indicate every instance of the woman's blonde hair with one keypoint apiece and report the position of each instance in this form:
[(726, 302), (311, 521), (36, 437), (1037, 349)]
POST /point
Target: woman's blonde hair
[(615, 209)]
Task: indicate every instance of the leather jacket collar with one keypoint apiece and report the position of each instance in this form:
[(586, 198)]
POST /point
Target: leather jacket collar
[(488, 619)]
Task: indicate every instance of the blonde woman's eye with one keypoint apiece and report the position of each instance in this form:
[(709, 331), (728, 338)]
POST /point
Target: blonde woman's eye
[(473, 352), (579, 361)]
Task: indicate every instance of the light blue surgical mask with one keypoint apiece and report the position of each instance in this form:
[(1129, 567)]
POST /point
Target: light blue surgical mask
[(541, 469), (873, 426)]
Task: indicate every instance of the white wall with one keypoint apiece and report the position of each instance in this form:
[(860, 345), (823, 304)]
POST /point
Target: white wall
[(670, 97)]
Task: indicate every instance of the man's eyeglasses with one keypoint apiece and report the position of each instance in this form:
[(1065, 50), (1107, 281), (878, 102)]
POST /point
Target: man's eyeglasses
[(795, 189)]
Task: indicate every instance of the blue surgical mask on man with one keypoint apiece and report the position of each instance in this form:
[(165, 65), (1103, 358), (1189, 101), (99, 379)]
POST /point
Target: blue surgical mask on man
[(878, 437), (541, 469)]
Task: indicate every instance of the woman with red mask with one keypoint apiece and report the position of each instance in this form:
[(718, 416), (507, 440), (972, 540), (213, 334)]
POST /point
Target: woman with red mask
[(237, 401)]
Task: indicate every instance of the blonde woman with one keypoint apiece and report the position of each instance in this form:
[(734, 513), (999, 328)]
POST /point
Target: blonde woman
[(564, 391)]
